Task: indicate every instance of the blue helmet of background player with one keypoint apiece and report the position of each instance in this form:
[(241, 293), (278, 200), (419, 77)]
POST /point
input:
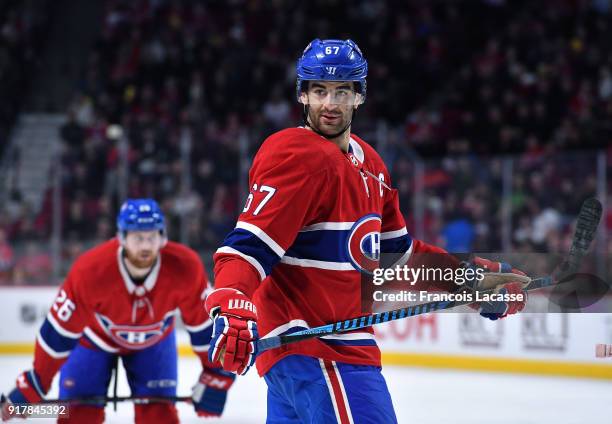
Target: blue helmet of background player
[(140, 215), (332, 60)]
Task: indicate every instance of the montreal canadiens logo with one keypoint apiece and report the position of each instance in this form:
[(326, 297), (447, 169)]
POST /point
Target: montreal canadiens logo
[(363, 243), (134, 337)]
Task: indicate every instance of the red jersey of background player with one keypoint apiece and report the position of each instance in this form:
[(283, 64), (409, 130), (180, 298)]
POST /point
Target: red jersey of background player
[(313, 220), (99, 305)]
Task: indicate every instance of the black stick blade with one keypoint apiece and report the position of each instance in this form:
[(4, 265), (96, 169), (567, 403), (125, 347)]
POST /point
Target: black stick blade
[(586, 225)]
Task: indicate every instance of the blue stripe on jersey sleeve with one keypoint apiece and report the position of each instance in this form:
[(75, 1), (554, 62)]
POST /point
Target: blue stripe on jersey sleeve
[(399, 244), (321, 245), (248, 243), (202, 337), (55, 340)]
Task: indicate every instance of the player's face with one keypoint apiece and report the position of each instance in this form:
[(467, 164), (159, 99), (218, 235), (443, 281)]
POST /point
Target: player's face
[(142, 247), (331, 105)]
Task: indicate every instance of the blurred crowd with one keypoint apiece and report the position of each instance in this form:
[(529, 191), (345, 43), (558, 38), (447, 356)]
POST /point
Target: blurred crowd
[(464, 208), (22, 27), (542, 81), (197, 86)]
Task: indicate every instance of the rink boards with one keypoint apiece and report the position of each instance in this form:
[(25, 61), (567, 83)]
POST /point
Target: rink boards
[(552, 344)]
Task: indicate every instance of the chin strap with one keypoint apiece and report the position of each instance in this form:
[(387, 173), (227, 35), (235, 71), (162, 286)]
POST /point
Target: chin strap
[(329, 137)]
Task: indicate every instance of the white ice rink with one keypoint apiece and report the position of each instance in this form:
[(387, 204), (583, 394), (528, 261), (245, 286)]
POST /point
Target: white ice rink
[(420, 396)]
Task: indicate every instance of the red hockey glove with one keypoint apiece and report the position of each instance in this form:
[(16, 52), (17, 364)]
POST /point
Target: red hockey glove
[(502, 308), (28, 390), (507, 281), (497, 274), (210, 392), (235, 335)]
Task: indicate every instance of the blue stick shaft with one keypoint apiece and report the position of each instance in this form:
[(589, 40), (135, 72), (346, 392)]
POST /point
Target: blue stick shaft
[(377, 318), (586, 225)]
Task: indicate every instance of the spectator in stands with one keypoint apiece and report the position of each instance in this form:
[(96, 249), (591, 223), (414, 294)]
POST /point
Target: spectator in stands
[(7, 259), (186, 80), (34, 266)]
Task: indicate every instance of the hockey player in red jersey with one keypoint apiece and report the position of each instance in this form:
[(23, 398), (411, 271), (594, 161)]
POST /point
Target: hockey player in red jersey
[(119, 300), (319, 204)]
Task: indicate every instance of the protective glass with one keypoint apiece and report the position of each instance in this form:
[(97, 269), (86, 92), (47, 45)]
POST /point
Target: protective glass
[(144, 239), (343, 96)]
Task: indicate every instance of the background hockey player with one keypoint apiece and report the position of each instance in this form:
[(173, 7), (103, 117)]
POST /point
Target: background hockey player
[(294, 259), (120, 299)]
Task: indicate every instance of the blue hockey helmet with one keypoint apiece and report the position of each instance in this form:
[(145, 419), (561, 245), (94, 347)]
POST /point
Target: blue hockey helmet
[(140, 215), (332, 60)]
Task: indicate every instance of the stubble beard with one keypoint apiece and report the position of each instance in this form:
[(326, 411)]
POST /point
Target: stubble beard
[(327, 129), (140, 262)]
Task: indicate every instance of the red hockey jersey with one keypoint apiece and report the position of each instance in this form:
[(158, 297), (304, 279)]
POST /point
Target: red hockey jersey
[(99, 305), (315, 217)]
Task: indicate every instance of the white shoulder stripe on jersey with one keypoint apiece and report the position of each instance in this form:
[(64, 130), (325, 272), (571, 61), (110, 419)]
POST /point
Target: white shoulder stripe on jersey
[(249, 259), (98, 341), (200, 327), (393, 234), (261, 234), (311, 263), (51, 352), (61, 330), (282, 328), (328, 226)]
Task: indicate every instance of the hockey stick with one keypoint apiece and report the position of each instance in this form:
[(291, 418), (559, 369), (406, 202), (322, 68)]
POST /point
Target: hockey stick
[(586, 224), (115, 381), (97, 400), (380, 318)]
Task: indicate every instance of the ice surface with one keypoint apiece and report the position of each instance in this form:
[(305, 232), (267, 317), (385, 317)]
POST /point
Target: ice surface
[(420, 396)]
